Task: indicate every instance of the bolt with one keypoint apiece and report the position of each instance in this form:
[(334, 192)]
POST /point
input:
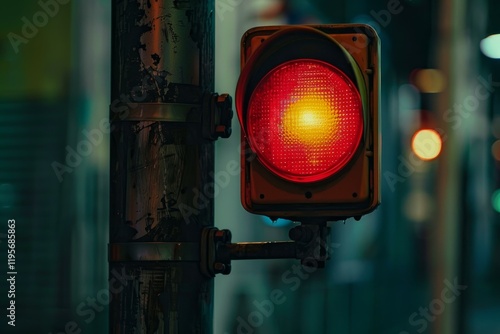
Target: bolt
[(227, 270), (299, 233), (228, 235), (224, 101), (219, 236), (223, 131), (219, 268), (223, 236), (222, 268)]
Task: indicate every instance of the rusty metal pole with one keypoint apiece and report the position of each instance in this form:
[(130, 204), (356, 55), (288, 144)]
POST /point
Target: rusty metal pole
[(161, 165)]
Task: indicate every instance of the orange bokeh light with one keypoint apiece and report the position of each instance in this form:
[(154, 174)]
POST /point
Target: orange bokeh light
[(426, 144)]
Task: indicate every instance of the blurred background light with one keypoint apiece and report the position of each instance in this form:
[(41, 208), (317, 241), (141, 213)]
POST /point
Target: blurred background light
[(495, 200), (426, 144), (495, 150), (428, 80), (490, 46)]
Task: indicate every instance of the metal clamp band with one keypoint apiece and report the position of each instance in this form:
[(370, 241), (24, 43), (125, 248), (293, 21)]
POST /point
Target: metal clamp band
[(168, 112), (154, 251)]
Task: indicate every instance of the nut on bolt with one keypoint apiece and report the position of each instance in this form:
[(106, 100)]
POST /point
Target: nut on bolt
[(221, 268), (227, 269), (223, 236)]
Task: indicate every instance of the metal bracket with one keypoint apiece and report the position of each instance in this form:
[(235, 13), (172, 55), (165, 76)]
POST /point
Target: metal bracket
[(214, 112), (154, 251), (310, 245), (211, 239), (217, 123)]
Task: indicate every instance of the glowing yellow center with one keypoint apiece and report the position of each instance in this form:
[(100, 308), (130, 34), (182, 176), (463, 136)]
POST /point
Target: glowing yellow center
[(310, 122)]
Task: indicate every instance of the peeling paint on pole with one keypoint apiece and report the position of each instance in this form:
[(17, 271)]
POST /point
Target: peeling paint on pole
[(162, 52)]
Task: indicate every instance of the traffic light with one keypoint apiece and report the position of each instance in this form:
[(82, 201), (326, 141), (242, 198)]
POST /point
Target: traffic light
[(307, 100)]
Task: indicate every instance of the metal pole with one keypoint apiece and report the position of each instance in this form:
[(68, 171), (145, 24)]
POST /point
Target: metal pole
[(161, 166)]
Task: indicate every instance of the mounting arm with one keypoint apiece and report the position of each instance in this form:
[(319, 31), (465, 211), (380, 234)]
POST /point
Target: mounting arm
[(309, 244)]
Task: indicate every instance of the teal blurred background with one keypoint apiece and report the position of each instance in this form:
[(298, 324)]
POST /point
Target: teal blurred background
[(390, 272)]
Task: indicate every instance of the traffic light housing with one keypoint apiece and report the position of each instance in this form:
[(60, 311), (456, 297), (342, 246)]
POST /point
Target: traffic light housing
[(307, 100)]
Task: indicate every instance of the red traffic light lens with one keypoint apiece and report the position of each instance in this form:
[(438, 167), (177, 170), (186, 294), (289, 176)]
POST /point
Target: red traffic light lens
[(305, 120)]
